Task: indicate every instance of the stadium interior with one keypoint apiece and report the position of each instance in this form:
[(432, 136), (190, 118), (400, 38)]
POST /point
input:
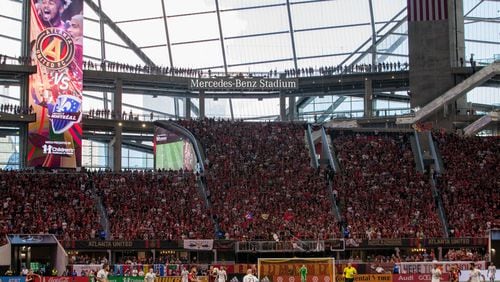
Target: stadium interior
[(283, 138)]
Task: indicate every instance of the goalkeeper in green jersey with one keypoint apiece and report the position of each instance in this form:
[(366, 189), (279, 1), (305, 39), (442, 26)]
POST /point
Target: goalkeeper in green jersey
[(303, 273)]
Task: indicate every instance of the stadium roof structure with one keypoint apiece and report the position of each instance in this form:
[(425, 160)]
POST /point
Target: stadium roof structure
[(255, 36)]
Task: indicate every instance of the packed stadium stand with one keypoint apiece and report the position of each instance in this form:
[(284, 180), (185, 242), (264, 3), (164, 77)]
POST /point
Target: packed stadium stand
[(380, 192), (470, 184), (261, 183), (149, 205), (43, 203), (174, 135)]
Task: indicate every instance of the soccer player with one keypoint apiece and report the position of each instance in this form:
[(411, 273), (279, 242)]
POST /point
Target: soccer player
[(349, 272), (303, 273), (193, 275), (436, 273), (184, 275), (221, 275), (492, 270), (475, 274), (102, 275), (454, 273), (150, 276), (250, 277)]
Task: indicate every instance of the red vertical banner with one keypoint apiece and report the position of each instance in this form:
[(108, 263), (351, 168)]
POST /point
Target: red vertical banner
[(55, 91)]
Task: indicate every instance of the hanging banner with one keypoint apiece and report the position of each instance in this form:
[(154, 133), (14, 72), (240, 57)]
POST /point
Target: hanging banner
[(55, 90), (198, 244)]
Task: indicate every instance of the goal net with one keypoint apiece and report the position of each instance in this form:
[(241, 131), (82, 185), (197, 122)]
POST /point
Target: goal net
[(296, 269)]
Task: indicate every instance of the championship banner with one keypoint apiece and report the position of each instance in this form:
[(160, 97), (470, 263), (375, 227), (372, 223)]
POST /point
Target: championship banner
[(55, 91)]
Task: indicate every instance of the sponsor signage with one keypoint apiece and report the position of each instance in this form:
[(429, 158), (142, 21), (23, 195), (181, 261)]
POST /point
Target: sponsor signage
[(12, 279), (423, 243), (368, 278), (297, 278), (55, 90), (417, 277), (150, 244), (250, 84)]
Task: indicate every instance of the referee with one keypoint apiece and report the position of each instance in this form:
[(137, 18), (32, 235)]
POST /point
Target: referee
[(349, 272)]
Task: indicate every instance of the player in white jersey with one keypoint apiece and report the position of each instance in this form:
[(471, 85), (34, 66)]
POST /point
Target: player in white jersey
[(250, 277), (436, 273), (475, 274), (102, 275), (492, 270), (221, 275), (150, 276), (184, 275)]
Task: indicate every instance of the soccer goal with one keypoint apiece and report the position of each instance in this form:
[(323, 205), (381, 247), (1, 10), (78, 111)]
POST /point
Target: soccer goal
[(296, 269)]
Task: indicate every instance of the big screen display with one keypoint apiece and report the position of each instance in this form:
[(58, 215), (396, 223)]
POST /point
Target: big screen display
[(55, 90), (172, 152)]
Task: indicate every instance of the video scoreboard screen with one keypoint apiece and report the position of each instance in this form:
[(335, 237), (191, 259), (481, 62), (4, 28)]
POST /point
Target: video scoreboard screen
[(172, 151)]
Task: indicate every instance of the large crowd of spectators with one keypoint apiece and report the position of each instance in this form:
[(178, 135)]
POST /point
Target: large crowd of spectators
[(149, 205), (21, 60), (469, 186), (380, 193), (260, 185), (343, 69), (260, 181), (15, 109), (47, 203), (299, 72)]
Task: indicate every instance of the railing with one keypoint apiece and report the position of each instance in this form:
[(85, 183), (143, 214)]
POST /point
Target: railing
[(289, 246)]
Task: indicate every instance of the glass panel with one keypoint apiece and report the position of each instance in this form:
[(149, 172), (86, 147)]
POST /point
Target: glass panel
[(231, 4), (329, 13), (330, 41), (175, 7), (257, 49), (191, 28), (199, 55), (254, 21)]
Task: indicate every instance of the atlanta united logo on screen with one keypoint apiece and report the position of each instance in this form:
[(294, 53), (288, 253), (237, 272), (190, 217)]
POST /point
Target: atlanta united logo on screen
[(55, 48)]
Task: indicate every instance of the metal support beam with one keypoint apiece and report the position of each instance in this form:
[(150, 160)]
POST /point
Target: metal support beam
[(393, 47), (292, 35), (120, 33), (103, 38), (167, 34), (330, 111), (221, 36), (400, 22), (24, 84), (223, 49), (374, 34)]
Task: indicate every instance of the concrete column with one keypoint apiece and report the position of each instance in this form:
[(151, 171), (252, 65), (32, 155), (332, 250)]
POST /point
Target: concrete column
[(434, 48), (201, 106), (292, 111), (368, 105), (117, 148), (187, 108), (117, 140), (282, 106)]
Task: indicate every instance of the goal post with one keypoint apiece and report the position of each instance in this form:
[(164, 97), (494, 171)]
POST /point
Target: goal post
[(296, 269)]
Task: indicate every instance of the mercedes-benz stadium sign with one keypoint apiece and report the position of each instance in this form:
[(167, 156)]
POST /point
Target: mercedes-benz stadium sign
[(243, 84)]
